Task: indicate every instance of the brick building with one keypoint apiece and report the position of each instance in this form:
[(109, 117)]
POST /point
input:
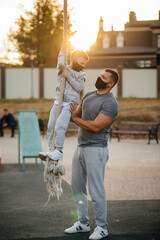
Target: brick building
[(138, 46)]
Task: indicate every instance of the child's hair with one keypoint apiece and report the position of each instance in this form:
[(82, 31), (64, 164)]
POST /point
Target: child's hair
[(79, 53)]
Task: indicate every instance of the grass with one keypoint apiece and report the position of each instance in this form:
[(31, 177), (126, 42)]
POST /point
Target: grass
[(130, 109)]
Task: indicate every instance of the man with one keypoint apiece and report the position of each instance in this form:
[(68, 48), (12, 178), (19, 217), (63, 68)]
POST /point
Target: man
[(95, 116), (7, 120)]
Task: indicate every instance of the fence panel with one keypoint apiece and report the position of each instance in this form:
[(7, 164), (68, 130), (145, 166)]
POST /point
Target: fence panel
[(19, 82), (140, 83)]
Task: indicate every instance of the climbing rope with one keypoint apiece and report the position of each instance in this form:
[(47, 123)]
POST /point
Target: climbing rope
[(53, 170)]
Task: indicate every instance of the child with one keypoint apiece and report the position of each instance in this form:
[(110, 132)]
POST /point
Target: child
[(74, 85)]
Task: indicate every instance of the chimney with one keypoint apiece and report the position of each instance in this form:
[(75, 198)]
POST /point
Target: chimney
[(112, 27), (132, 17), (101, 23)]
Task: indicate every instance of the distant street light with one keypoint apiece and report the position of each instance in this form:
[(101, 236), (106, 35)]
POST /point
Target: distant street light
[(32, 66)]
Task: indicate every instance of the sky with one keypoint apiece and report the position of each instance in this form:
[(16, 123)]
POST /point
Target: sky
[(84, 17)]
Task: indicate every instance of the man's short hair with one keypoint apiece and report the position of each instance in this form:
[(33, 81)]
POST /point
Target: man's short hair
[(114, 75), (79, 53), (5, 110)]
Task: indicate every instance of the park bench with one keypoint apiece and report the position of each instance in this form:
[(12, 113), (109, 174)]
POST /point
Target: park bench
[(136, 128)]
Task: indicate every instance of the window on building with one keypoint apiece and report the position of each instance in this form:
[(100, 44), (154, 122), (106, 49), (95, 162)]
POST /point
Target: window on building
[(106, 41), (158, 41), (120, 40), (144, 63)]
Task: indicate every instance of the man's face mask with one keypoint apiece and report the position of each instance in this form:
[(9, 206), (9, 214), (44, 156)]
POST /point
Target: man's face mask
[(76, 66), (100, 83)]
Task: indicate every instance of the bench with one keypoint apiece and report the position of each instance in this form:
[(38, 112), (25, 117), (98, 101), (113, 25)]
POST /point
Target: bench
[(136, 128)]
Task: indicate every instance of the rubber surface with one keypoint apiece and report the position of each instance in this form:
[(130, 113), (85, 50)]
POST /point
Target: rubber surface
[(23, 216)]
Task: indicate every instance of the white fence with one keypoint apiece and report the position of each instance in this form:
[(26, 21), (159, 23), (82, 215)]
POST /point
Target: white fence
[(19, 81), (141, 83), (0, 83), (50, 82)]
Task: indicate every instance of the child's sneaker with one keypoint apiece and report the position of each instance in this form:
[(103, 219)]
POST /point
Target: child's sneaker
[(43, 155), (98, 233), (56, 155), (78, 227)]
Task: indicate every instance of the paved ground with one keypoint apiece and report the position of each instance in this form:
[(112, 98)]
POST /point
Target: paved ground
[(132, 184), (132, 172), (22, 215)]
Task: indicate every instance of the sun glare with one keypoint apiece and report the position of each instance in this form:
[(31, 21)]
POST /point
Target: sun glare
[(85, 15), (81, 42)]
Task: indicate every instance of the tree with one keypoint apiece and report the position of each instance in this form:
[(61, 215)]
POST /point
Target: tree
[(41, 31)]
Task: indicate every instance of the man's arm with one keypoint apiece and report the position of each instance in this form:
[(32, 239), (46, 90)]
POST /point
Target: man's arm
[(2, 119), (97, 125)]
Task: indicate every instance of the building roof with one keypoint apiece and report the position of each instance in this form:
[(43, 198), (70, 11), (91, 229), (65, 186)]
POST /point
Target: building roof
[(124, 50), (145, 23)]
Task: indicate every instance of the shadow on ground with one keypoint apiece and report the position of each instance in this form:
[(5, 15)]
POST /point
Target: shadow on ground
[(23, 215)]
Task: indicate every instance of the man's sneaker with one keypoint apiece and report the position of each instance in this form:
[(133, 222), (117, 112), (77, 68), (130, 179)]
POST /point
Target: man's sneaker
[(78, 227), (98, 233), (43, 155), (56, 155)]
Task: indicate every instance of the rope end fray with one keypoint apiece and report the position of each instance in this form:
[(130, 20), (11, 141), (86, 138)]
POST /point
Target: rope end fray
[(53, 173)]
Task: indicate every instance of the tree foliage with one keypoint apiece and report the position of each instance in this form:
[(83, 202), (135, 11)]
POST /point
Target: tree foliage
[(41, 31)]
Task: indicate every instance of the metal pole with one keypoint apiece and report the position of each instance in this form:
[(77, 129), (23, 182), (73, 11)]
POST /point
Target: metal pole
[(31, 78), (63, 82), (19, 144), (31, 51)]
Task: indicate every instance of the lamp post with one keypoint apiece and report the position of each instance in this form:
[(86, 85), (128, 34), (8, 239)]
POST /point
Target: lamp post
[(32, 66)]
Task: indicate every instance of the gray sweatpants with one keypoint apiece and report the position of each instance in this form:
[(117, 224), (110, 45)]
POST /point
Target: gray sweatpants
[(60, 127), (89, 164)]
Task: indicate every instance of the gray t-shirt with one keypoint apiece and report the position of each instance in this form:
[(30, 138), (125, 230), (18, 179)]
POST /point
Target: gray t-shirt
[(93, 104)]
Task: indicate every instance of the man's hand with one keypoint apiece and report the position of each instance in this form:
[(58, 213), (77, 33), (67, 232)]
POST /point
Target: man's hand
[(101, 121), (5, 125), (65, 74), (73, 108)]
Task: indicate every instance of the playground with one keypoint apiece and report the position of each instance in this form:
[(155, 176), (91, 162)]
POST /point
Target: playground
[(132, 185), (47, 189)]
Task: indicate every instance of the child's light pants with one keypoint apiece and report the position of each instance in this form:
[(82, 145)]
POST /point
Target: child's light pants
[(60, 127)]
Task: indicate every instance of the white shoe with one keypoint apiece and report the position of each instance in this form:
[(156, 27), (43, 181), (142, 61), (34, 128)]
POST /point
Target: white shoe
[(55, 155), (78, 227), (43, 155), (98, 233)]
